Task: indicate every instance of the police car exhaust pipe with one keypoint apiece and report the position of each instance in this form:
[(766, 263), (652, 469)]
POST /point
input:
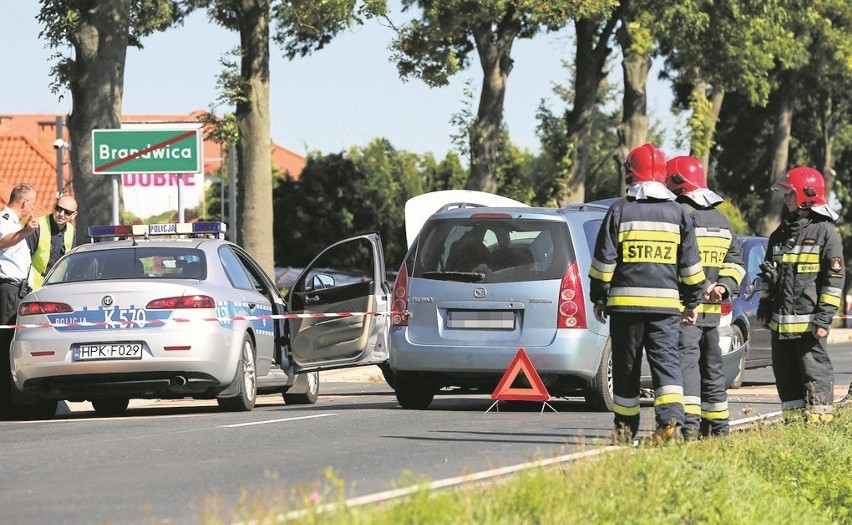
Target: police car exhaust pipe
[(179, 380)]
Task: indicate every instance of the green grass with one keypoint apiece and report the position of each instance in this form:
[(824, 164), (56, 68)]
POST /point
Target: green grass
[(774, 473)]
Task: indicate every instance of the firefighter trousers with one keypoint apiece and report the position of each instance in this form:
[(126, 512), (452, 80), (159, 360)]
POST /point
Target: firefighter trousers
[(804, 375), (658, 334), (704, 393)]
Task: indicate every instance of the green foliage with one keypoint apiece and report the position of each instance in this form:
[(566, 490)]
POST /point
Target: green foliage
[(304, 26), (61, 21), (343, 194), (735, 217), (554, 161), (442, 41)]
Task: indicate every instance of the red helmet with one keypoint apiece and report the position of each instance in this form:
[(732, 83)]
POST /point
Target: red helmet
[(685, 174), (645, 164), (807, 184)]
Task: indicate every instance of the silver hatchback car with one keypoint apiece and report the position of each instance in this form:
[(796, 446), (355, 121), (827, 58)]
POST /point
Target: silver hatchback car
[(479, 283)]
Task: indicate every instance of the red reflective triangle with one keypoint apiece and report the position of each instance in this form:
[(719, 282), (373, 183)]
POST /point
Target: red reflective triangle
[(504, 390)]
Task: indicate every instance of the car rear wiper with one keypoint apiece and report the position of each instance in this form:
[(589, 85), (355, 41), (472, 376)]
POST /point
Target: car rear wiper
[(462, 277)]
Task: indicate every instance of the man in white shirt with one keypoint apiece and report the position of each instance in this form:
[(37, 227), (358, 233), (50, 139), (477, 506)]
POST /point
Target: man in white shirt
[(16, 224)]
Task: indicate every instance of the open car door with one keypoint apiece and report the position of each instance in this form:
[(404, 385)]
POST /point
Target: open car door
[(345, 299)]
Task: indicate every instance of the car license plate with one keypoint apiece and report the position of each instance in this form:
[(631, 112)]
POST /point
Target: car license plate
[(481, 319), (107, 351)]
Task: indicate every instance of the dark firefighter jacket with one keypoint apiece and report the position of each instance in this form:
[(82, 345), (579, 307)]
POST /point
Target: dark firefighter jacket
[(646, 259), (720, 254), (808, 258)]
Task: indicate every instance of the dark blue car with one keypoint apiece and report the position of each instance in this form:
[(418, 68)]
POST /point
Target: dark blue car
[(747, 332)]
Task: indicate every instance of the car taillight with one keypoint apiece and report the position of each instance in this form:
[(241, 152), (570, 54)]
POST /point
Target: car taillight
[(572, 304), (34, 308), (727, 307), (399, 306), (184, 301)]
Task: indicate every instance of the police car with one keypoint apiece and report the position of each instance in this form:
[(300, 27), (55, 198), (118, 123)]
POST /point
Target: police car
[(174, 311)]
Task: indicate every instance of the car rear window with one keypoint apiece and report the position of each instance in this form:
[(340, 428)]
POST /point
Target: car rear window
[(493, 250), (130, 263)]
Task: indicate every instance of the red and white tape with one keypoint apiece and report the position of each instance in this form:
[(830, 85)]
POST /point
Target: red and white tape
[(156, 322)]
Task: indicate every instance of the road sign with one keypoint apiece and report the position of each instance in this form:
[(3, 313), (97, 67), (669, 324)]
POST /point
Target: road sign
[(147, 148)]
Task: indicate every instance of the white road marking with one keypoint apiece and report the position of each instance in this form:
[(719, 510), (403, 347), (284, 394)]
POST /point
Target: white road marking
[(276, 421)]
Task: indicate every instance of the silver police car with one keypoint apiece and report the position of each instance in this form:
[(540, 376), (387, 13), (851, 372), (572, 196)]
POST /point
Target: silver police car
[(169, 311)]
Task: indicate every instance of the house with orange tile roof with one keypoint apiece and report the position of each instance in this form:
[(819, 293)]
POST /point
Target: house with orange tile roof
[(27, 155)]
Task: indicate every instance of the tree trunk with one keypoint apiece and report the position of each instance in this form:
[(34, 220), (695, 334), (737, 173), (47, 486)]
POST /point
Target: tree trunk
[(717, 97), (633, 130), (97, 86), (772, 207), (829, 133), (591, 53), (254, 188), (495, 50)]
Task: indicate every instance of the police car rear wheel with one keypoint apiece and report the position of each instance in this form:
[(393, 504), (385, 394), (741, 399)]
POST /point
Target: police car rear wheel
[(246, 378)]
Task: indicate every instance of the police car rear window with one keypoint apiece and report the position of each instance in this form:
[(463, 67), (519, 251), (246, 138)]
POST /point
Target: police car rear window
[(130, 263), (493, 250)]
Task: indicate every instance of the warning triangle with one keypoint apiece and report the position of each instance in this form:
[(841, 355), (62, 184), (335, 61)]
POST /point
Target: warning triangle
[(504, 390)]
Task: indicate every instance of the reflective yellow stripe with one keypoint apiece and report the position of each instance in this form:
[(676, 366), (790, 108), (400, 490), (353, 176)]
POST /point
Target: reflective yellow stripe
[(692, 409), (601, 276), (625, 411), (695, 278), (792, 258), (709, 308), (668, 399), (626, 300), (649, 235), (733, 271), (790, 328), (715, 415), (829, 299)]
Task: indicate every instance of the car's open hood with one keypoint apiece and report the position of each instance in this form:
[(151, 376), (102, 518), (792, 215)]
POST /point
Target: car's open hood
[(421, 207)]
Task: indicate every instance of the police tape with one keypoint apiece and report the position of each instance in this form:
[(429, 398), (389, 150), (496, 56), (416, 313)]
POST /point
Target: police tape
[(141, 323)]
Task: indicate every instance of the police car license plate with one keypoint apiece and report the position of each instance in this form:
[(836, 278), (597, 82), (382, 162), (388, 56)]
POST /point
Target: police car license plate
[(107, 351)]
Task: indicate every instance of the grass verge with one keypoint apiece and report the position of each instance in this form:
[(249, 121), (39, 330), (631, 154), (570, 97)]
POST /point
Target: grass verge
[(771, 473)]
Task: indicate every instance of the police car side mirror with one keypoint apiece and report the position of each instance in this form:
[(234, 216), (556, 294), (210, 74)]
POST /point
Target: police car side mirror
[(751, 288)]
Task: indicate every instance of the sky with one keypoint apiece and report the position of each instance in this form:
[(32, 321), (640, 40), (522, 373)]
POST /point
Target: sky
[(342, 96)]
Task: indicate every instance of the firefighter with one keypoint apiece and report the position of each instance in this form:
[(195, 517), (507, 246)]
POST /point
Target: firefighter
[(804, 272), (645, 261), (704, 390)]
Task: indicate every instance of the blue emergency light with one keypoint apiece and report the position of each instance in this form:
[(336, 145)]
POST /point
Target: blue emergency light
[(148, 230)]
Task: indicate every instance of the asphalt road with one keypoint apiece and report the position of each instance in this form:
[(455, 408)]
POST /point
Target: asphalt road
[(171, 461)]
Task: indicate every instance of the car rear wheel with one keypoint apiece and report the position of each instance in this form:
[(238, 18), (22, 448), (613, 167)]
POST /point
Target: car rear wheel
[(599, 390), (110, 406), (309, 396), (737, 339), (246, 379), (413, 392)]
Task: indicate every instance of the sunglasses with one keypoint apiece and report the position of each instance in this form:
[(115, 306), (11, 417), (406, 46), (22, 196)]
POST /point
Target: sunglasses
[(66, 211)]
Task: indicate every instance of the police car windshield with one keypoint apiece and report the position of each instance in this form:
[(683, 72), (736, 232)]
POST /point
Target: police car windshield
[(130, 263)]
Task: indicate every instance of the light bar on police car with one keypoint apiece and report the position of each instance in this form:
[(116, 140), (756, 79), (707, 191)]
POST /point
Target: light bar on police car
[(147, 230)]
